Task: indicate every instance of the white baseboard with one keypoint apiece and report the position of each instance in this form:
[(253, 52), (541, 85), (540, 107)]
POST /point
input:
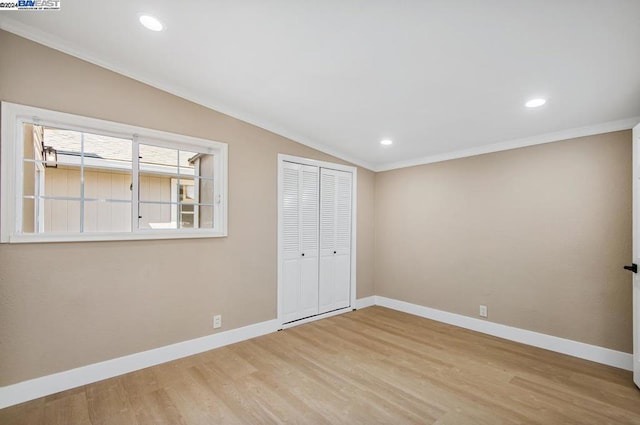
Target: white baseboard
[(365, 302), (593, 353), (51, 384)]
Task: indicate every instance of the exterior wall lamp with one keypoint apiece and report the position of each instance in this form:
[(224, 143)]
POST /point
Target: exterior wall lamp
[(50, 157)]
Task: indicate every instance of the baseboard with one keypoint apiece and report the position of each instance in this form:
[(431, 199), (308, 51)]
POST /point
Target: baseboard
[(51, 384), (560, 345), (365, 302)]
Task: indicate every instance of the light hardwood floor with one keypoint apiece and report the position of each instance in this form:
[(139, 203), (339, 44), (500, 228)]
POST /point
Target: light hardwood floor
[(372, 366)]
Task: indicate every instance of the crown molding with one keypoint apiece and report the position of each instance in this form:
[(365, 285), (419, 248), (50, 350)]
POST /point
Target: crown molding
[(557, 136), (40, 37)]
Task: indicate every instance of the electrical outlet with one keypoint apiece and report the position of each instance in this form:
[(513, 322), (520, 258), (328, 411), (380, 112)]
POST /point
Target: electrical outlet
[(483, 311), (217, 321)]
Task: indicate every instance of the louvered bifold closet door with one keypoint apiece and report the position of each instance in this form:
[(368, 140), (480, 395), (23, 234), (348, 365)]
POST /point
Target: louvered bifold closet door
[(335, 240), (300, 204)]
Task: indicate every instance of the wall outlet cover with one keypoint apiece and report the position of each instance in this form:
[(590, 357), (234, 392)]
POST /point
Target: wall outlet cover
[(483, 311), (217, 321)]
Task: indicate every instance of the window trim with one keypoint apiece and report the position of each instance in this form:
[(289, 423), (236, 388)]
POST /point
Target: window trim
[(11, 140)]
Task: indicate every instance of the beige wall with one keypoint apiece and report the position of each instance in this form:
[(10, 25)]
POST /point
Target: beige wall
[(88, 302), (538, 234)]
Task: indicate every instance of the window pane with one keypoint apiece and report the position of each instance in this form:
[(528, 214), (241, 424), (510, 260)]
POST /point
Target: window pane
[(111, 152), (188, 160), (32, 142), (187, 217), (196, 216), (157, 216), (99, 151), (186, 190), (61, 216), (155, 187), (29, 216), (202, 165), (206, 191), (65, 142), (107, 216), (30, 178), (39, 180), (205, 216), (63, 181), (29, 145), (59, 147), (157, 160), (105, 184), (107, 168)]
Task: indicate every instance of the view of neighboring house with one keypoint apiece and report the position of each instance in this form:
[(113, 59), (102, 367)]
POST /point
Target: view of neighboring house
[(78, 181)]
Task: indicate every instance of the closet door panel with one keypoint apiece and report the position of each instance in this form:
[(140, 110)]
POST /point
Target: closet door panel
[(300, 203), (342, 256), (341, 281), (327, 238), (291, 271), (309, 204), (291, 211), (327, 212), (335, 240), (308, 287), (326, 284), (343, 211)]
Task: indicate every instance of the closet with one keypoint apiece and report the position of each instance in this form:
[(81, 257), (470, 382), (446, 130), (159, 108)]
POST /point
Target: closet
[(315, 234)]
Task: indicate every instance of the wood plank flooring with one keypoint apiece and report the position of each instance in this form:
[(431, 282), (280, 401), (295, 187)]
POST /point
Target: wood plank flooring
[(372, 366)]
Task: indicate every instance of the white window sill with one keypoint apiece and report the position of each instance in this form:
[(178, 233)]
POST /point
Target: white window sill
[(92, 237)]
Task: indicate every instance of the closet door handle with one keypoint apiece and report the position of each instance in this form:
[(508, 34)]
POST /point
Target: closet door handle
[(303, 254), (334, 252)]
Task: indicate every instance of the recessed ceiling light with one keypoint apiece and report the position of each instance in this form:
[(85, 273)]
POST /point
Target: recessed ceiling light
[(386, 142), (534, 103), (151, 23)]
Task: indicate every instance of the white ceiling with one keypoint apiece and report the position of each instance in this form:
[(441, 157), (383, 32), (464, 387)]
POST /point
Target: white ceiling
[(439, 78)]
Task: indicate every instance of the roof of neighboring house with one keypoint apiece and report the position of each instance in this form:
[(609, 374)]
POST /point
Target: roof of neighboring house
[(69, 142)]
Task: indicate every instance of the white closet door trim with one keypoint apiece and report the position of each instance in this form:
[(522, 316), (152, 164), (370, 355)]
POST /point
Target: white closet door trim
[(282, 158)]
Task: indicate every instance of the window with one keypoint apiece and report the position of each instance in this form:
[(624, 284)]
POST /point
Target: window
[(72, 178)]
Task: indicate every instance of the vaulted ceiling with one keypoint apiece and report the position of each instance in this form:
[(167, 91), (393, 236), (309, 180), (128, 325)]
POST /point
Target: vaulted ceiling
[(438, 78)]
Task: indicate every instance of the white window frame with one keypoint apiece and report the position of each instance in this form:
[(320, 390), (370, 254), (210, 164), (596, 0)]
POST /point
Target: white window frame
[(11, 174)]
